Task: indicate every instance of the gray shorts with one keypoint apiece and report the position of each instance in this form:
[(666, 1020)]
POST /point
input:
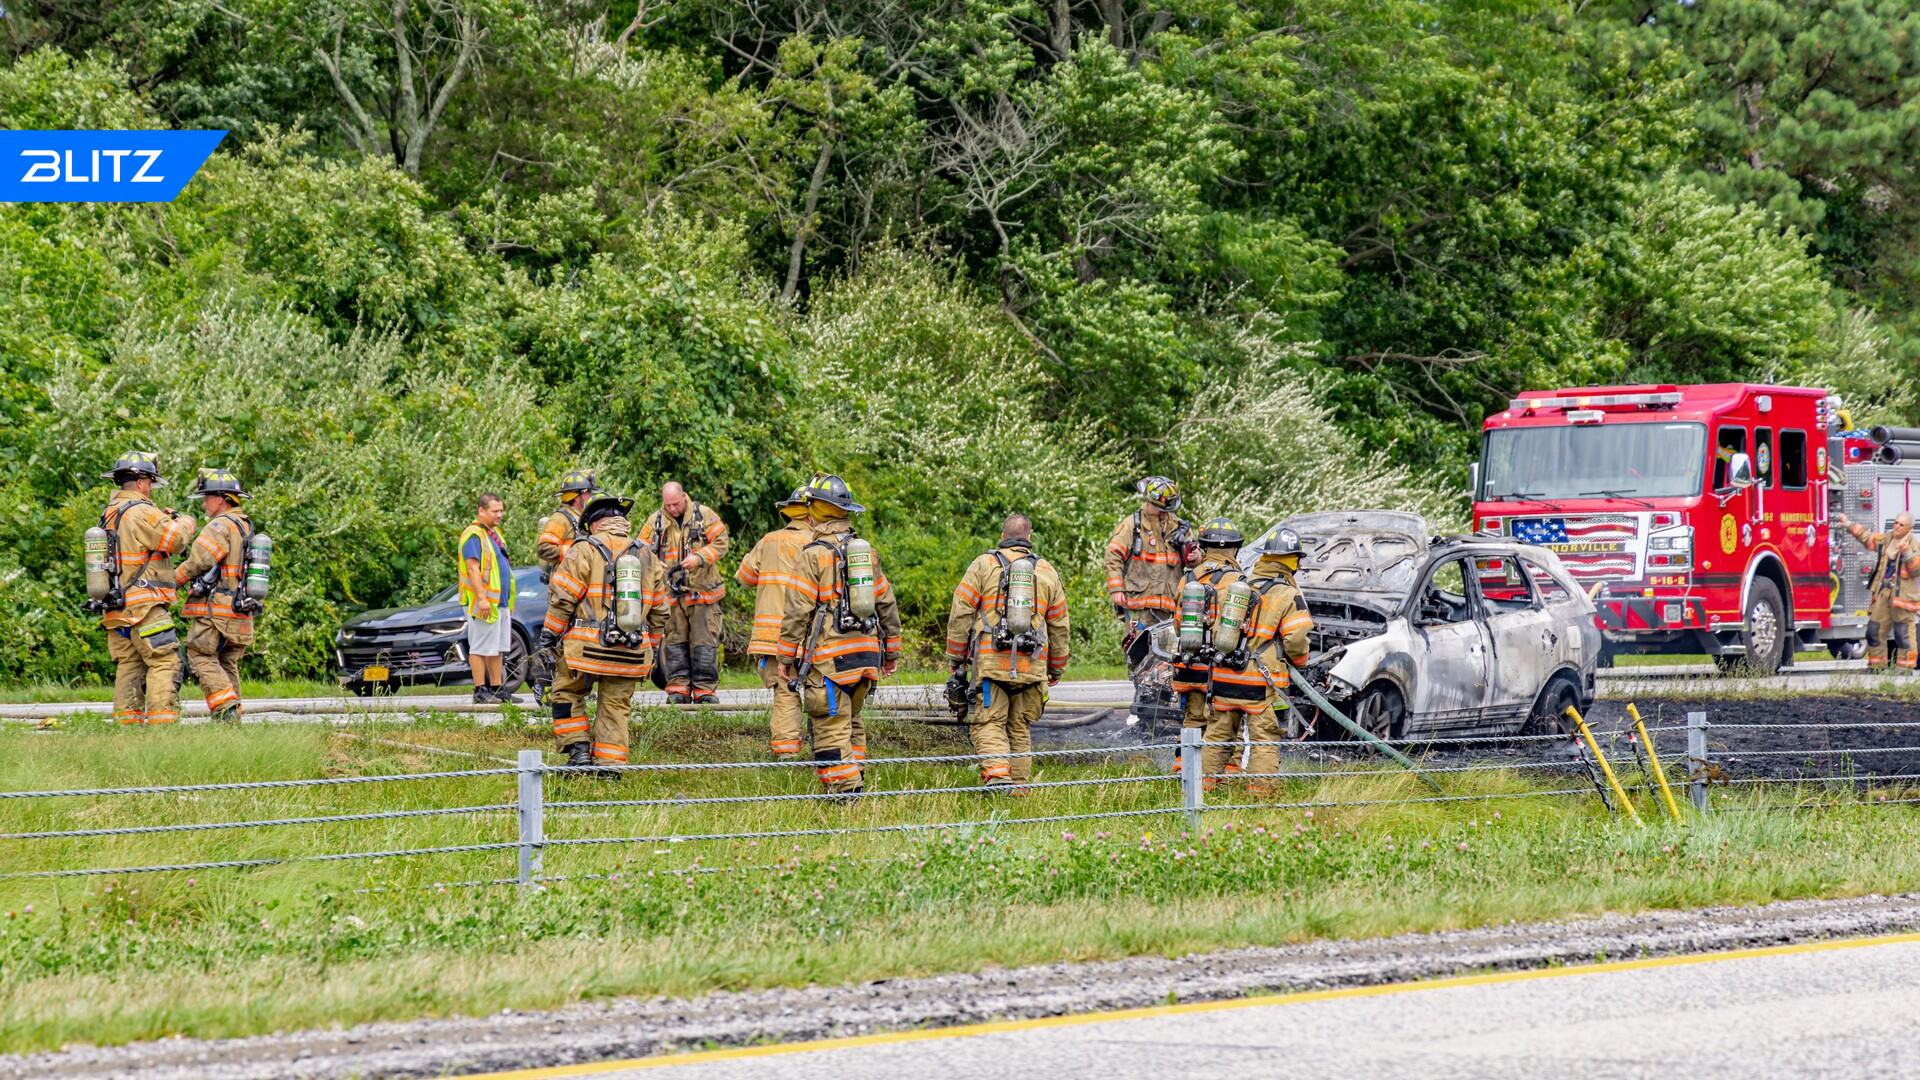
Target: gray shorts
[(490, 638)]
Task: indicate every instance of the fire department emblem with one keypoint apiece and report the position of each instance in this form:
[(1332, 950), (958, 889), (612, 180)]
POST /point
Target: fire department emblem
[(1729, 535)]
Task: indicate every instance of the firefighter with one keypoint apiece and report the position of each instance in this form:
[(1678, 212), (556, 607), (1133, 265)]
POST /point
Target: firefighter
[(588, 621), (1144, 560), (766, 570), (1253, 665), (141, 637), (1009, 619), (556, 536), (219, 615), (1200, 593), (689, 540), (839, 634), (1895, 588)]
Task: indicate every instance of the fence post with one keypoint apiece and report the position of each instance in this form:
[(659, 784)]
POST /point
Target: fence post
[(1697, 758), (1190, 770), (533, 827)]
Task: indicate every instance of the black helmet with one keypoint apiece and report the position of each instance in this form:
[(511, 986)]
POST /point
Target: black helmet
[(1280, 541), (1219, 533), (1159, 491), (832, 490), (217, 482), (798, 498), (602, 506), (134, 464), (575, 482)]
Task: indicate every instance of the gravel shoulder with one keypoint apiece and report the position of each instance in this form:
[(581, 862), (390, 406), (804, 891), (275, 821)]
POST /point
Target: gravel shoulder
[(634, 1028)]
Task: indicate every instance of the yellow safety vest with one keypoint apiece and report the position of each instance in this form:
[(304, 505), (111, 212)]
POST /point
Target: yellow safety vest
[(489, 573)]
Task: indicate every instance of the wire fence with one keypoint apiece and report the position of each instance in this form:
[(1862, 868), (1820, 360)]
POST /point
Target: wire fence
[(1643, 766)]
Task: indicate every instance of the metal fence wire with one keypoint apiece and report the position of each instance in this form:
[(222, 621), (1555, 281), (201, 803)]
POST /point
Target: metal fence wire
[(1694, 772)]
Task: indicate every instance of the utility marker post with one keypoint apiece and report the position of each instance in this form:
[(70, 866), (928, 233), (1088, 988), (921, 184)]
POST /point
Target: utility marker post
[(1697, 758), (1190, 778), (533, 827)]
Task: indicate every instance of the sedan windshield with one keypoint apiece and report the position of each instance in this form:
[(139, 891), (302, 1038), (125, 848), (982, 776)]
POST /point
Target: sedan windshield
[(1633, 460)]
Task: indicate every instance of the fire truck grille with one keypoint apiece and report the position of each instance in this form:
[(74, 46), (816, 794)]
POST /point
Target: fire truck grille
[(1592, 546)]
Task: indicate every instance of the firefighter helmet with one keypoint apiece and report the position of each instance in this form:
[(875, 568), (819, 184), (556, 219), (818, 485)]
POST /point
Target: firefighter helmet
[(798, 498), (1220, 532), (604, 505), (1281, 541), (217, 482), (832, 490), (576, 482), (133, 465), (1160, 491)]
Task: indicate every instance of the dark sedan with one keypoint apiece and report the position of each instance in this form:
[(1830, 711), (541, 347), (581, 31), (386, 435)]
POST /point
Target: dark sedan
[(382, 650)]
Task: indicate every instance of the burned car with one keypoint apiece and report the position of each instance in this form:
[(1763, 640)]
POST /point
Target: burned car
[(1443, 637)]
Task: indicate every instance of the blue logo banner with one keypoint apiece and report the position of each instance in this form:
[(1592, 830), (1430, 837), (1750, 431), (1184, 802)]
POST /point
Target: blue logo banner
[(101, 166)]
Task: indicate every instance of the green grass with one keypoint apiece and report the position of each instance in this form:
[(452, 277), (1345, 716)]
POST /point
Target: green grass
[(1631, 660), (235, 952)]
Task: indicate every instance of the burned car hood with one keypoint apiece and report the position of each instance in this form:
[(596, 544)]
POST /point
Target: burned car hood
[(1367, 557)]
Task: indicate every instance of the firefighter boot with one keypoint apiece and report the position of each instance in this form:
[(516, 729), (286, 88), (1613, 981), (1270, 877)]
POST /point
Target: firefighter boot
[(1903, 645), (705, 674), (676, 663), (580, 754)]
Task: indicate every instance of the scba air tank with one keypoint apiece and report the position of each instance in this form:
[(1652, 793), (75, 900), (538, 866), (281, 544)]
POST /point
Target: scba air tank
[(259, 566), (860, 577), (99, 568), (1019, 614), (629, 592), (1234, 604), (1193, 617)]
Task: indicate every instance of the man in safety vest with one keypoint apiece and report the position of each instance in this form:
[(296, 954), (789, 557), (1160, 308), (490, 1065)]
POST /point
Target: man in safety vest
[(767, 570), (1895, 586), (1199, 612), (689, 540), (219, 614), (1250, 679), (1009, 619), (1145, 557), (840, 632), (556, 536), (141, 637), (585, 617), (487, 594)]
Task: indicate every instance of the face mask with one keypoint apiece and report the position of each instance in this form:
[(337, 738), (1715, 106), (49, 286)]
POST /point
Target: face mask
[(820, 511)]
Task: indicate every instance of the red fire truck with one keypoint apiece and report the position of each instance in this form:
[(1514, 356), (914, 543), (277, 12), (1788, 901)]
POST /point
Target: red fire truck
[(1698, 515)]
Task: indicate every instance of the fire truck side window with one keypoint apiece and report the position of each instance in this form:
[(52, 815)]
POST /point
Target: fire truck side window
[(1793, 460), (1763, 457), (1730, 441)]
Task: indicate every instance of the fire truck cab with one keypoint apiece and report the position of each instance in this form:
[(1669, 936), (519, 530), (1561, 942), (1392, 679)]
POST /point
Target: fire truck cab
[(1698, 516)]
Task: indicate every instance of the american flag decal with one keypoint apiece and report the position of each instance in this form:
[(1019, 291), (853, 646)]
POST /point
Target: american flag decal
[(1601, 546)]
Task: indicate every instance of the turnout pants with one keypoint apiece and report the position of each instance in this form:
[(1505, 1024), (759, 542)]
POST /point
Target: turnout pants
[(215, 661), (690, 649), (1890, 625), (607, 731), (789, 721), (1004, 724), (146, 662), (1222, 763), (839, 738)]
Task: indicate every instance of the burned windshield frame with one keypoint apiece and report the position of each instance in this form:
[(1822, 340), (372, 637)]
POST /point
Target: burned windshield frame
[(1669, 455)]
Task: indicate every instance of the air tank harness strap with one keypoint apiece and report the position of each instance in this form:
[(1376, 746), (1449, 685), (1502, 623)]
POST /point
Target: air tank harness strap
[(606, 573)]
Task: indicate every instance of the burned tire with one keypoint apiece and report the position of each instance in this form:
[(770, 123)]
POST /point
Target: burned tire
[(1766, 635), (1381, 711), (1846, 650), (1549, 713)]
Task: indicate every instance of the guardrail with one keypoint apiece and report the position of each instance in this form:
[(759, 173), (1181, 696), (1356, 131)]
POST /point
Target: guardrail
[(530, 843)]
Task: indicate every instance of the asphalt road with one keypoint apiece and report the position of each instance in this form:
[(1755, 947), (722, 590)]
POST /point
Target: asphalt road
[(1836, 1009)]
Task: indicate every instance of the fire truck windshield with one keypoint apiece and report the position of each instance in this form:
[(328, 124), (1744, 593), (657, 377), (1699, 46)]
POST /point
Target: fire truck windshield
[(1627, 461)]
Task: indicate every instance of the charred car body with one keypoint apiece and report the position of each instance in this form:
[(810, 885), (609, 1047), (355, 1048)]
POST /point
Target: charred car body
[(1443, 637)]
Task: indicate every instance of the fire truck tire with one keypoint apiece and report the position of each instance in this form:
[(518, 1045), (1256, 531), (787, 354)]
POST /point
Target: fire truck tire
[(1766, 631)]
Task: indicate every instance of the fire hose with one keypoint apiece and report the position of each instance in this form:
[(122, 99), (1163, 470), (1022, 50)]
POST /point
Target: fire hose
[(1340, 718)]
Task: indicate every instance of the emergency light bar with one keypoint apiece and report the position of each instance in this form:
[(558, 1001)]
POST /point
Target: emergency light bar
[(1595, 401)]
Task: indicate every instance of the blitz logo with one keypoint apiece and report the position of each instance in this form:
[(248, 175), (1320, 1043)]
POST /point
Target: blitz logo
[(48, 171), (101, 166)]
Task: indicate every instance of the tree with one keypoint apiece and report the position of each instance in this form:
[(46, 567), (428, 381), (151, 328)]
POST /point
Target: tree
[(395, 65)]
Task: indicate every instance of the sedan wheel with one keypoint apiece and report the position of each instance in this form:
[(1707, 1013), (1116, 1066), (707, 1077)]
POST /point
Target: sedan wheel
[(514, 666), (1549, 715), (1381, 712)]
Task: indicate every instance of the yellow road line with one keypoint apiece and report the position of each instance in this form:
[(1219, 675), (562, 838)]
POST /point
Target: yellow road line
[(668, 1060)]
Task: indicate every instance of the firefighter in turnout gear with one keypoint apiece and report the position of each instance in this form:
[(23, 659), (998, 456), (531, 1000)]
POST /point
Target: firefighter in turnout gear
[(1199, 612), (1009, 619), (1253, 665), (556, 537), (219, 614), (1144, 561), (141, 637), (839, 633), (1895, 589), (606, 610), (689, 540), (768, 570)]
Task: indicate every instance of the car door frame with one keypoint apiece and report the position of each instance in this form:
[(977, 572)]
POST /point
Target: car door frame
[(1521, 646), (1435, 699)]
